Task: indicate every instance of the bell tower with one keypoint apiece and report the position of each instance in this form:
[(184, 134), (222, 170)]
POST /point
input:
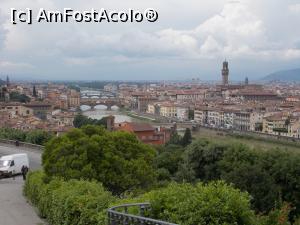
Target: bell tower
[(225, 73), (7, 81)]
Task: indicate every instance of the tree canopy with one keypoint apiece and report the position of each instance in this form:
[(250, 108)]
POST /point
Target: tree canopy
[(82, 120), (38, 137), (17, 97), (270, 177), (117, 159)]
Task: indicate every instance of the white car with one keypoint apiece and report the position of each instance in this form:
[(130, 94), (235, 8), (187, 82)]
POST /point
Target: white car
[(12, 164)]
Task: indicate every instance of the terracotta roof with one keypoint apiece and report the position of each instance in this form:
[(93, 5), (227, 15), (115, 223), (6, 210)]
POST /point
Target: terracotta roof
[(135, 127), (257, 93)]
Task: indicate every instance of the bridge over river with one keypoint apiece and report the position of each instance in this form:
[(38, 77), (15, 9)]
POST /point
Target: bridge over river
[(108, 102)]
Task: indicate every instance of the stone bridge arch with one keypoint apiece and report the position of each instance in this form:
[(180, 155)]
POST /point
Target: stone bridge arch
[(107, 102)]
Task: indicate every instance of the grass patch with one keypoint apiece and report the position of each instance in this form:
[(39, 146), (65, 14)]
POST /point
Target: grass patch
[(250, 140), (142, 118)]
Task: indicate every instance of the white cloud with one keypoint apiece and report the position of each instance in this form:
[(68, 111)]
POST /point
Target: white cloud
[(233, 33), (295, 8), (292, 54), (73, 61), (189, 31), (8, 65)]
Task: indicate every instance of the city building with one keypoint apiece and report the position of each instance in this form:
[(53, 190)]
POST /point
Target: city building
[(16, 109), (168, 109), (73, 98), (242, 120), (200, 115), (182, 113), (146, 133), (111, 88)]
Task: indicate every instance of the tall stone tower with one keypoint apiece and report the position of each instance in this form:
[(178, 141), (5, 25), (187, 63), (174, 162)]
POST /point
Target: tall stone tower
[(7, 81), (246, 81), (225, 73)]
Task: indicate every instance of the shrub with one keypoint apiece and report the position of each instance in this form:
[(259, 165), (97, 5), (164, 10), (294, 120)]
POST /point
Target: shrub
[(215, 203), (33, 186), (38, 137), (68, 202)]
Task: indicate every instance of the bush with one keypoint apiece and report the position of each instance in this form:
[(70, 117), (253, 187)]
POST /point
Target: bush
[(38, 137), (34, 186), (278, 216), (215, 203), (68, 202), (82, 203)]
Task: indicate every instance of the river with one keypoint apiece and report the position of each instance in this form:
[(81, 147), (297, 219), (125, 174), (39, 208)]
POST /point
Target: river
[(100, 111)]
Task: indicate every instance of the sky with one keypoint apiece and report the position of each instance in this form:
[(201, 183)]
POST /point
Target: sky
[(190, 39)]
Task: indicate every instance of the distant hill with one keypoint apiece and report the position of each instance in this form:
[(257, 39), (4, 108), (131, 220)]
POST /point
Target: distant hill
[(2, 82), (284, 75)]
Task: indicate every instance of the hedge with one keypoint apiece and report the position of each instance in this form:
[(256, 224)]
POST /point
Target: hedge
[(85, 203), (68, 202), (214, 203)]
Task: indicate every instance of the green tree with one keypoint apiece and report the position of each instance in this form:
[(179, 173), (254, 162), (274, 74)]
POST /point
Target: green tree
[(38, 137), (82, 120), (117, 159), (244, 168), (278, 216), (284, 168), (12, 134), (74, 87), (168, 161), (17, 97), (271, 177), (187, 137), (191, 114), (200, 161), (175, 139)]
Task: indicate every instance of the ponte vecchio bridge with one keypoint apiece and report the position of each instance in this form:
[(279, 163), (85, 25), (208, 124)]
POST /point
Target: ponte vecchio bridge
[(108, 102)]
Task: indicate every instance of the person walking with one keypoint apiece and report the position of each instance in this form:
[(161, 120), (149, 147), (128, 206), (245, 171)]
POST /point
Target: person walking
[(24, 171)]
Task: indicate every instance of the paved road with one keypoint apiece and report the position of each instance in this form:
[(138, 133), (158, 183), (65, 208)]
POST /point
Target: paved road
[(14, 209)]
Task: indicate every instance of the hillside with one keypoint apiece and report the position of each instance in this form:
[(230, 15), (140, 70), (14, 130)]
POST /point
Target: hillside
[(2, 82), (284, 75)]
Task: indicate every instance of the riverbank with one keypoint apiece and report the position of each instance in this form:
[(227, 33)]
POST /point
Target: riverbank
[(252, 141), (139, 117), (120, 115)]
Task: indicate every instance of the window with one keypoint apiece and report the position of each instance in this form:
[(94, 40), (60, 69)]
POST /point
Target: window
[(4, 163), (12, 163)]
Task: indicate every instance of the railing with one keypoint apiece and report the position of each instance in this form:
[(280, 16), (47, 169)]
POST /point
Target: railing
[(22, 144), (119, 215)]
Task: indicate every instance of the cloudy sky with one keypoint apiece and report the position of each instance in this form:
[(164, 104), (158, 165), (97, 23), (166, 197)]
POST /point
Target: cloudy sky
[(190, 40)]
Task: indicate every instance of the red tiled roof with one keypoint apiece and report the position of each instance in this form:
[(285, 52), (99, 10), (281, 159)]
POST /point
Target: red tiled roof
[(136, 127)]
